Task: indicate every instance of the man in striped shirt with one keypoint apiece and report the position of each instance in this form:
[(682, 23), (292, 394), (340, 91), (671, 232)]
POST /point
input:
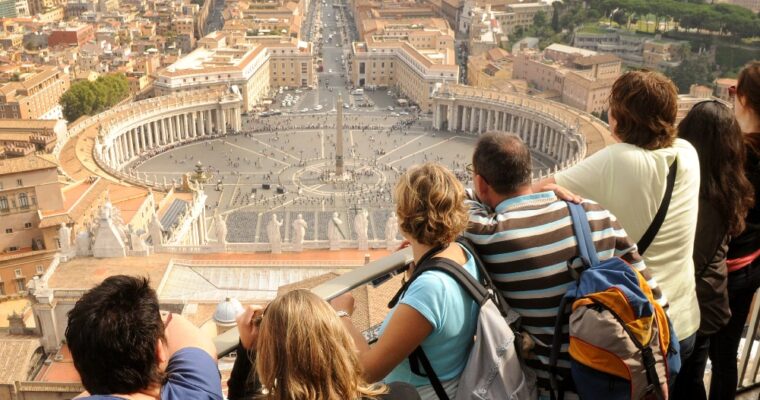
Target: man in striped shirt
[(526, 240)]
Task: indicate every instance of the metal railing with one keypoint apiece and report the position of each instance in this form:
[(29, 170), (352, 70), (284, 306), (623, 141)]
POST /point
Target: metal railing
[(749, 364), (374, 272), (371, 272)]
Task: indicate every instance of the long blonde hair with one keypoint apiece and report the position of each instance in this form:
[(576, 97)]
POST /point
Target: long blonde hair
[(305, 352)]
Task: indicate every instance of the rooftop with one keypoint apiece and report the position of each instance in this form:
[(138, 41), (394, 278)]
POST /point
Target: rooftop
[(16, 357), (28, 163), (561, 48)]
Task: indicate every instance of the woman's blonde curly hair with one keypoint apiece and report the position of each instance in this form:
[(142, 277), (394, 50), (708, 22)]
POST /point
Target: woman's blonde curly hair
[(430, 204)]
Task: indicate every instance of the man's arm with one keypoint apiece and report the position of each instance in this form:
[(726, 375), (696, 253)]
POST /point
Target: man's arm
[(181, 333), (482, 219)]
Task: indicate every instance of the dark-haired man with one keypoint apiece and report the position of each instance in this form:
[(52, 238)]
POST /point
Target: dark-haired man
[(123, 348), (526, 239)]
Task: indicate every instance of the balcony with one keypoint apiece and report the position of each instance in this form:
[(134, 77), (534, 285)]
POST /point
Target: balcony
[(376, 272)]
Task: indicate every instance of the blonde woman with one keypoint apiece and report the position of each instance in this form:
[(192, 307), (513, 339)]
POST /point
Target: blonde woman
[(434, 312), (302, 352)]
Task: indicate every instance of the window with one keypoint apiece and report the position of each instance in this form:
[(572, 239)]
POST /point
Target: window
[(20, 285), (28, 225), (40, 270), (2, 288), (23, 200), (3, 203), (8, 230), (18, 273), (19, 182)]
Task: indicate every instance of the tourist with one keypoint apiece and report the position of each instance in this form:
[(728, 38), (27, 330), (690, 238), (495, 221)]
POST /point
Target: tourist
[(123, 349), (630, 178), (725, 196), (435, 311), (302, 352), (530, 269), (743, 250)]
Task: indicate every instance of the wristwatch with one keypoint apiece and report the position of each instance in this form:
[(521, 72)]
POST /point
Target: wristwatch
[(341, 314)]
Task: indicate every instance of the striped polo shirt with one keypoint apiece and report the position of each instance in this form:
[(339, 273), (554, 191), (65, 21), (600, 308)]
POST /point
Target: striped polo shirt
[(525, 244)]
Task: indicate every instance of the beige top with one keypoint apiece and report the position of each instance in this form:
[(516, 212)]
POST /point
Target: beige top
[(630, 182)]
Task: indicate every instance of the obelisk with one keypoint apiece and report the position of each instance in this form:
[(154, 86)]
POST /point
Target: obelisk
[(339, 139)]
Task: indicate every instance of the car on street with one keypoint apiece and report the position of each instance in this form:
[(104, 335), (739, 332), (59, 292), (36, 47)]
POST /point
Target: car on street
[(346, 106), (305, 110), (390, 108), (318, 107)]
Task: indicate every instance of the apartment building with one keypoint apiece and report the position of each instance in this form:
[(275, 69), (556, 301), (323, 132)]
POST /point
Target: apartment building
[(291, 64), (395, 63), (74, 35), (33, 93), (493, 70), (7, 8), (27, 185), (217, 68), (580, 78), (634, 49), (40, 135), (254, 67), (509, 16), (410, 54)]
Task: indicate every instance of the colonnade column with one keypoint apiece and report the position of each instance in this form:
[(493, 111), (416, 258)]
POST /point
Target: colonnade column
[(222, 121), (143, 143), (202, 123), (193, 125), (149, 128)]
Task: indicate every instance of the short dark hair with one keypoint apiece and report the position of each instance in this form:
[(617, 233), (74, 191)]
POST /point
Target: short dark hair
[(645, 104), (112, 333), (503, 160)]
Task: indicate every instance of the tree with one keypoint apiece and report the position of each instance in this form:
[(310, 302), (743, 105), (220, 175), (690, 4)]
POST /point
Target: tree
[(539, 20), (694, 69), (555, 16), (88, 98)]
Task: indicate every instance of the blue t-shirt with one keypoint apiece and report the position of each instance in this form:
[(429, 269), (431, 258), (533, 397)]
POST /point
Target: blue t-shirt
[(191, 374), (452, 313)]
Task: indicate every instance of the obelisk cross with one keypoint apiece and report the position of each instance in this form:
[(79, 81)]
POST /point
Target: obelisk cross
[(339, 139)]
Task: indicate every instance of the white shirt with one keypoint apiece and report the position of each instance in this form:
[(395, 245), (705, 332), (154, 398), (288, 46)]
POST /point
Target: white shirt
[(630, 182)]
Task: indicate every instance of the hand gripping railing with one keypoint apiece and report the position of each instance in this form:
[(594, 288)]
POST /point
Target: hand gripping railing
[(227, 342)]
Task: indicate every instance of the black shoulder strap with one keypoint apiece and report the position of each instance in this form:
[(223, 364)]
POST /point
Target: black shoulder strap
[(418, 357), (475, 289), (417, 270), (659, 218)]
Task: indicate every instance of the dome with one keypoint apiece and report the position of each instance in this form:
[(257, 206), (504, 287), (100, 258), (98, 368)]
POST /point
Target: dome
[(226, 311)]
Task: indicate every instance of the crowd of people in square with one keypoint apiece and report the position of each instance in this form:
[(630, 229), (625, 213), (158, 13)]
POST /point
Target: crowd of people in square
[(675, 203)]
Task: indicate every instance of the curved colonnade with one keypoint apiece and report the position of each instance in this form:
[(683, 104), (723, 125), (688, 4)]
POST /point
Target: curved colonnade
[(158, 124), (545, 126), (127, 132)]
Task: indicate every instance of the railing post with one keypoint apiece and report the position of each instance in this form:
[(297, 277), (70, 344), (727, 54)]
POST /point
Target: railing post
[(749, 340)]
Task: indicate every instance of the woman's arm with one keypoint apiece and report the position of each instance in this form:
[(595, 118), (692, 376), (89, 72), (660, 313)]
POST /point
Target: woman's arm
[(405, 331)]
